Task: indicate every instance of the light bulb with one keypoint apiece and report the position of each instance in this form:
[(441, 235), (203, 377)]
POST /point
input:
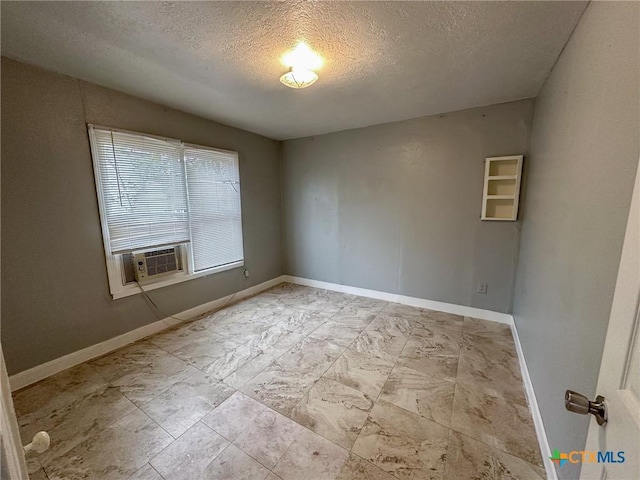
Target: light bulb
[(302, 58)]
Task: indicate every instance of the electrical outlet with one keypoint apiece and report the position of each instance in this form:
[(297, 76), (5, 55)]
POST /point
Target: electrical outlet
[(246, 273), (482, 288)]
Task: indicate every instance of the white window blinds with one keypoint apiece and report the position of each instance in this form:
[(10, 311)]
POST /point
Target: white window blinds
[(157, 192), (143, 190), (213, 182)]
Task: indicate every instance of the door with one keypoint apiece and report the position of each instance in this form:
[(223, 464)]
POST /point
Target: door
[(619, 380), (13, 466)]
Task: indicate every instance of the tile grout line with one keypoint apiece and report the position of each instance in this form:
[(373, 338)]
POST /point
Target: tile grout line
[(229, 443), (296, 310), (491, 447), (161, 427), (416, 324), (270, 408), (305, 337), (395, 363), (275, 359), (448, 427), (446, 456), (342, 352), (153, 468), (232, 442), (487, 444), (116, 419), (473, 335), (349, 451), (378, 399), (187, 364), (174, 438)]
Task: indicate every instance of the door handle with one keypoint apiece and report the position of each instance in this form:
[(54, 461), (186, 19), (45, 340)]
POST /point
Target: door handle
[(577, 403)]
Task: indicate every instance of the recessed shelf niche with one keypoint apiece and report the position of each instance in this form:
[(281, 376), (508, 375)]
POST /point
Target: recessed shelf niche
[(501, 193)]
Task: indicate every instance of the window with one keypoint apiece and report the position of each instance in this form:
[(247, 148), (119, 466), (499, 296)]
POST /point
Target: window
[(156, 193), (214, 207)]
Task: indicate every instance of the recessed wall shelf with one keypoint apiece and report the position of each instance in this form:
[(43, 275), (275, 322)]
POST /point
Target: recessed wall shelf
[(502, 176)]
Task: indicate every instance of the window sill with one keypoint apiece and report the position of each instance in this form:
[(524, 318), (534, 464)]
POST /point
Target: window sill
[(133, 289)]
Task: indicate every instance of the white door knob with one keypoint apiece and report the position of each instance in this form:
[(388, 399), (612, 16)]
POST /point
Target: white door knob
[(39, 444)]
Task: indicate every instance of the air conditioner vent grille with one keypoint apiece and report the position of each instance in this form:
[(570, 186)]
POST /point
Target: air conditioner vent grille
[(155, 263)]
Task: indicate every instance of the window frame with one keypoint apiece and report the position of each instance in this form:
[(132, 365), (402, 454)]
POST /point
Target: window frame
[(115, 272)]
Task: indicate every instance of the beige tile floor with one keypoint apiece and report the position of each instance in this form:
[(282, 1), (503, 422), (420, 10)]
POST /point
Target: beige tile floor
[(293, 384)]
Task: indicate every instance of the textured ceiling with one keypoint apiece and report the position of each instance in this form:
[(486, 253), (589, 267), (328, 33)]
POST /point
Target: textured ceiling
[(384, 61)]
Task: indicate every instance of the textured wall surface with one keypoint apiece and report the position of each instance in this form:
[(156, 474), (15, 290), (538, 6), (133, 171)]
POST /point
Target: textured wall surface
[(584, 153), (55, 293), (384, 61), (396, 207)]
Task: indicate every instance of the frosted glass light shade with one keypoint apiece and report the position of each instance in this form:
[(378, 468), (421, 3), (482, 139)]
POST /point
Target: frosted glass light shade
[(299, 78)]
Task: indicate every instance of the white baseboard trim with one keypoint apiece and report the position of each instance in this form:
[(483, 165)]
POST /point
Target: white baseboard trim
[(412, 301), (543, 441), (40, 372)]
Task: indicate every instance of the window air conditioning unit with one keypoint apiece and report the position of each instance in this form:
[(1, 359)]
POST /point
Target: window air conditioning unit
[(156, 263)]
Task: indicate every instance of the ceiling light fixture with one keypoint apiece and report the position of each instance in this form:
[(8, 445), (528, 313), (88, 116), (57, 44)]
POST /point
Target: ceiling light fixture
[(302, 61), (299, 78)]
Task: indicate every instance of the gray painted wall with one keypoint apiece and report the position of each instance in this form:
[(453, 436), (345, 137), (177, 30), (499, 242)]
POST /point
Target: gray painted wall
[(584, 153), (55, 297), (396, 207)]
